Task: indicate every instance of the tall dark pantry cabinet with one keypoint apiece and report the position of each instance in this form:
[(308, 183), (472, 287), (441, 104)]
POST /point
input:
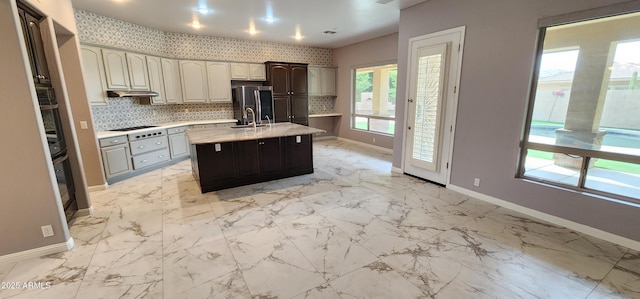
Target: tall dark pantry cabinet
[(49, 110), (290, 93)]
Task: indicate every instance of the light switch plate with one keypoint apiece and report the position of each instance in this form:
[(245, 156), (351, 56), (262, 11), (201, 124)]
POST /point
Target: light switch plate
[(47, 231), (84, 125), (218, 147), (298, 139)]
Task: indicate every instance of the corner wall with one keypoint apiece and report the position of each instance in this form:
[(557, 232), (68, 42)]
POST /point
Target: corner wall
[(378, 50), (496, 69)]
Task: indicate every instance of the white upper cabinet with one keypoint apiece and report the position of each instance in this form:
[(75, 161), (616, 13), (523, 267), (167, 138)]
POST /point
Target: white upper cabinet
[(93, 73), (125, 71), (248, 71), (219, 82), (322, 81), (194, 81), (328, 81), (117, 73), (156, 82), (172, 84), (138, 74), (257, 71), (314, 80)]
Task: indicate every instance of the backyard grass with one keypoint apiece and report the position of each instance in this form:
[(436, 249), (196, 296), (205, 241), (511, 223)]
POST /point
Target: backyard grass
[(600, 163)]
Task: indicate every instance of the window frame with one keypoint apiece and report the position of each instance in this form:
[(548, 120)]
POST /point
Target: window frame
[(585, 154), (353, 115)]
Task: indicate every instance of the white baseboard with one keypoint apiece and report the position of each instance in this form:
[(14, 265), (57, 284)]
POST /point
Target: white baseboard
[(98, 187), (84, 212), (384, 149), (594, 232), (37, 252), (397, 170), (328, 137)]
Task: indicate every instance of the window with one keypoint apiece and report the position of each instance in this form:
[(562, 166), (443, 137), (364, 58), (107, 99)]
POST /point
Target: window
[(583, 126), (374, 100)]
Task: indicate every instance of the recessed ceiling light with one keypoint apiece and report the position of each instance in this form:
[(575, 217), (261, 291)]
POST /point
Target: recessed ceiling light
[(196, 25), (252, 27), (204, 10), (330, 32), (298, 35)]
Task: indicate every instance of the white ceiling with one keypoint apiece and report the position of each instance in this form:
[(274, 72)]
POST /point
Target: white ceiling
[(353, 20)]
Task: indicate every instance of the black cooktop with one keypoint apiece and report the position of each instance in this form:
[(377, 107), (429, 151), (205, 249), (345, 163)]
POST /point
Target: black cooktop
[(133, 128)]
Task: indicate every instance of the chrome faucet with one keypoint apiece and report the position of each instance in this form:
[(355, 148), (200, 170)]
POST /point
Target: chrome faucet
[(253, 117), (269, 120)]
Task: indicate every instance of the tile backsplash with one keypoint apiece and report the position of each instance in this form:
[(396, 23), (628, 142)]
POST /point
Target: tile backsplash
[(125, 112)]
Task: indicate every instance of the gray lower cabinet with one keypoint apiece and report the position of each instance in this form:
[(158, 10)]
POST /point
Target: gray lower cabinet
[(115, 156), (178, 143)]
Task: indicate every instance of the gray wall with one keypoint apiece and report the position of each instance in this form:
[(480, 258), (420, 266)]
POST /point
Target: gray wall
[(378, 50), (496, 70)]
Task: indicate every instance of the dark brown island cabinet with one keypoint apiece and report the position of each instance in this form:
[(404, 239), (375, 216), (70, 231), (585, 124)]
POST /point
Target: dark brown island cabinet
[(290, 91), (224, 165)]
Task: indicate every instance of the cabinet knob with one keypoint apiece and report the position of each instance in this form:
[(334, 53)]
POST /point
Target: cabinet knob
[(158, 143), (161, 156), (143, 161), (142, 146), (115, 141)]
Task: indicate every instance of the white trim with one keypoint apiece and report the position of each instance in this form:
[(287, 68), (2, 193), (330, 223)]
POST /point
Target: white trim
[(397, 169), (84, 212), (454, 114), (326, 137), (98, 187), (384, 149), (37, 252), (591, 231)]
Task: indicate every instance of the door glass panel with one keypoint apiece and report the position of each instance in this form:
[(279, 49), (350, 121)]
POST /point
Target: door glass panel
[(428, 99)]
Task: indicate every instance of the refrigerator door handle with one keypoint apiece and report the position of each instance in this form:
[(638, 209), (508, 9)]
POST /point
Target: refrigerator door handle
[(256, 94)]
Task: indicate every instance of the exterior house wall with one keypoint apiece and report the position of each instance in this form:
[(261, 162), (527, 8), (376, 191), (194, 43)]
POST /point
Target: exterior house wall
[(498, 57)]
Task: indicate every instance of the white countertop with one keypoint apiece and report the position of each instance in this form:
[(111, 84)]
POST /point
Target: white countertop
[(217, 135), (325, 114), (107, 134)]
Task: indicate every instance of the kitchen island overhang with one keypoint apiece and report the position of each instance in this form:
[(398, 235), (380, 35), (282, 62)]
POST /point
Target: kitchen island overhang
[(224, 158)]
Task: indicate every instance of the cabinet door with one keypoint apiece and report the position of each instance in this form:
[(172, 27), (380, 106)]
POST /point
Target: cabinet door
[(299, 84), (281, 108), (116, 161), (138, 73), (115, 64), (171, 78), (156, 82), (178, 145), (194, 81), (239, 71), (327, 81), (270, 155), (93, 75), (279, 79), (39, 61), (298, 153), (216, 161), (257, 71), (248, 157), (219, 82), (314, 81), (300, 110)]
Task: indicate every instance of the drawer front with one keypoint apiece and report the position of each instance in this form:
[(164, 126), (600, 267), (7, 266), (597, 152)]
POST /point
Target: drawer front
[(104, 142), (176, 130), (152, 158), (147, 145)]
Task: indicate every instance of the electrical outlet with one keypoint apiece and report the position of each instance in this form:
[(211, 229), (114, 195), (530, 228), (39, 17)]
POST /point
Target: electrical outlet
[(47, 231), (476, 182), (374, 140)]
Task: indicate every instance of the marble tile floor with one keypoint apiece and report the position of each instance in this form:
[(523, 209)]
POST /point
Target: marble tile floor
[(353, 229)]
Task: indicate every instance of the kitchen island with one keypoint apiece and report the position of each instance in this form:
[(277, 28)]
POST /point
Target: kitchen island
[(230, 157)]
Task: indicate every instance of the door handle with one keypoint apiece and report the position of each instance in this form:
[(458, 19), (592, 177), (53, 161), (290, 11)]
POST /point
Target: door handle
[(410, 100), (409, 128)]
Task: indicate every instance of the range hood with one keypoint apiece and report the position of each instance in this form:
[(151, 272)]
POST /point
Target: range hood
[(130, 93)]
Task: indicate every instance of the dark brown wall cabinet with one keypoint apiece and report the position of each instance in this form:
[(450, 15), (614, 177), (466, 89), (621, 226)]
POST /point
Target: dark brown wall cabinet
[(290, 93), (35, 48)]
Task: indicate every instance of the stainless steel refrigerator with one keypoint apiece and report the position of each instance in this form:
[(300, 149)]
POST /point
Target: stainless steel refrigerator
[(258, 98)]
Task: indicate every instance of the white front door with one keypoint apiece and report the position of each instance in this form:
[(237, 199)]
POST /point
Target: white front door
[(433, 76)]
